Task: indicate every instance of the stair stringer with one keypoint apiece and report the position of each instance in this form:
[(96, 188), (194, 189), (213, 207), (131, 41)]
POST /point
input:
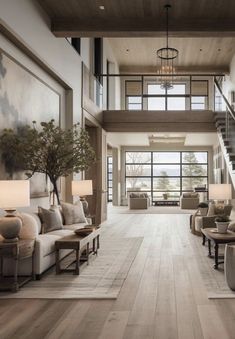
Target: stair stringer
[(226, 157)]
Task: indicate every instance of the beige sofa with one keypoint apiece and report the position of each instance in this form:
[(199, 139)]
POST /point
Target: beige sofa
[(189, 201), (44, 255), (138, 200)]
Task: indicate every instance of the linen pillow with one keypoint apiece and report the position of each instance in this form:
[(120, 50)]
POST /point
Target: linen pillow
[(73, 214), (51, 219), (211, 210), (29, 229)]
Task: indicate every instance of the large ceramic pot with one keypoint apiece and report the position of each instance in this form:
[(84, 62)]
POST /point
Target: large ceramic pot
[(10, 228), (229, 265), (222, 227)]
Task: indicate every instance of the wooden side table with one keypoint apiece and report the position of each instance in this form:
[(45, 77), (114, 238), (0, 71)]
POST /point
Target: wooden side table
[(16, 251)]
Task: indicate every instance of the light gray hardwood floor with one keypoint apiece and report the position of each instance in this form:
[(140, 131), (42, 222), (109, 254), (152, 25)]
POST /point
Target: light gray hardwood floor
[(163, 296)]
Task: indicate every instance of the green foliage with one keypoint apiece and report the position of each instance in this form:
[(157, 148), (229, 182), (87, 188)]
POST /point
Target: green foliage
[(163, 182), (193, 171), (50, 150), (222, 218)]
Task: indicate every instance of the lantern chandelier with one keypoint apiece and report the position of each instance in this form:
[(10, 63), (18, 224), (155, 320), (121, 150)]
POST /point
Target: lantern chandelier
[(167, 56)]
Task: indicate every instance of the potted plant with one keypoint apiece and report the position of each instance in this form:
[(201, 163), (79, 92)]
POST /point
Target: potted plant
[(222, 222), (202, 208)]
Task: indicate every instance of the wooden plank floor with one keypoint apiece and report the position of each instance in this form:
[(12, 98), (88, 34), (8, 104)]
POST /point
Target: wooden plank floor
[(163, 296)]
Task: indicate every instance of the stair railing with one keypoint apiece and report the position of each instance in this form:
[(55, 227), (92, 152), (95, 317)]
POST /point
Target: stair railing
[(229, 111)]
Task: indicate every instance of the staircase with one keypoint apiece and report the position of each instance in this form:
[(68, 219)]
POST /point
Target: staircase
[(226, 133), (225, 124)]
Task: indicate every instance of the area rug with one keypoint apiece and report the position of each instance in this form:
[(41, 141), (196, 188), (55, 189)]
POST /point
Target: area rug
[(214, 280), (101, 279)]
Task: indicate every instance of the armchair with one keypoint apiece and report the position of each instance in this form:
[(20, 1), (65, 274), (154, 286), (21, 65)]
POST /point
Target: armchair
[(209, 221), (138, 201), (189, 201)]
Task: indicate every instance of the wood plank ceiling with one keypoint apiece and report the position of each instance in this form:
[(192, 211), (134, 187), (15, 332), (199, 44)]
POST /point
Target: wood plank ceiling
[(202, 30), (140, 17)]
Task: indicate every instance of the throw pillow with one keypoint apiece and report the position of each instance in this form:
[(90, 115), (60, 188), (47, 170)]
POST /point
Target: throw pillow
[(51, 219), (29, 229), (211, 210), (73, 214)]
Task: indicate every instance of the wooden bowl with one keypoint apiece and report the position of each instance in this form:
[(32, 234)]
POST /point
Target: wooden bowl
[(84, 231)]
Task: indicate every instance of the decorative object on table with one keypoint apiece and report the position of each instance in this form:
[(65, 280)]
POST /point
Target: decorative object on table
[(203, 208), (50, 150), (13, 193), (82, 188), (167, 56), (84, 231), (220, 193), (222, 222), (229, 265)]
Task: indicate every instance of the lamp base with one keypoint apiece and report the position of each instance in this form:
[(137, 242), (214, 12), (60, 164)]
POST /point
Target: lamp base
[(84, 205), (10, 227)]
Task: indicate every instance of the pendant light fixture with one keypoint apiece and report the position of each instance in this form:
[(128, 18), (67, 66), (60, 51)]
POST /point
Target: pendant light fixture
[(167, 56)]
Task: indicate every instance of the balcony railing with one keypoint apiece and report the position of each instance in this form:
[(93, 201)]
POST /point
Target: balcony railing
[(144, 92)]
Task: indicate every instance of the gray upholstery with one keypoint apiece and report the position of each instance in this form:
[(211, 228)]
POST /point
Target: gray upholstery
[(189, 201), (138, 201), (209, 221)]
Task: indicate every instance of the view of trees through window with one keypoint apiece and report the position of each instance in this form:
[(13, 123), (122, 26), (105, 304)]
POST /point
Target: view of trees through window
[(166, 173)]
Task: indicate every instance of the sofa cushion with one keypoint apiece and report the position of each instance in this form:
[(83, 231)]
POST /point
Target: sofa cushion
[(51, 219), (74, 227), (73, 214), (29, 229), (61, 233), (47, 243)]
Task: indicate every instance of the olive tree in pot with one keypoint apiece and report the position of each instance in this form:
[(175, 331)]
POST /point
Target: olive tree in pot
[(222, 222), (49, 150)]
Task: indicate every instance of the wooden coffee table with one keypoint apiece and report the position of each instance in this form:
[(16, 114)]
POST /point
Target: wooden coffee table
[(218, 238), (78, 244)]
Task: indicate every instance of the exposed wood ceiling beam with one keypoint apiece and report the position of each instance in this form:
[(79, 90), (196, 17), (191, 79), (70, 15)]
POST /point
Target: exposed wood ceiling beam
[(141, 28), (187, 69)]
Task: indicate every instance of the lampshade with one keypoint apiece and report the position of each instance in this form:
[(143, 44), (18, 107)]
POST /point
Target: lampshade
[(14, 193), (220, 191), (82, 187)]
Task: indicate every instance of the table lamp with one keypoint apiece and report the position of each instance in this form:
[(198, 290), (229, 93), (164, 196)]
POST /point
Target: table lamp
[(82, 188), (220, 192), (13, 194)]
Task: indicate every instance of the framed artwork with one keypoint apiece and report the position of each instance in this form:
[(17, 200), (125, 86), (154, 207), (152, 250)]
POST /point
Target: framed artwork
[(23, 99)]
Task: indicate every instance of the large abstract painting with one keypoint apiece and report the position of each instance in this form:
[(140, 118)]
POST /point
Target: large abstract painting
[(24, 98)]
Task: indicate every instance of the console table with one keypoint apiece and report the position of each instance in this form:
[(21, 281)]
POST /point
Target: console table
[(78, 244), (166, 203), (217, 238)]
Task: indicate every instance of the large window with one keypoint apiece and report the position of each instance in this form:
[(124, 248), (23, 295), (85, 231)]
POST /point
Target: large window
[(166, 99), (161, 173)]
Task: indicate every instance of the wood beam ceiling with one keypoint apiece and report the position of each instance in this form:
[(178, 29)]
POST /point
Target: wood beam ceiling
[(141, 28)]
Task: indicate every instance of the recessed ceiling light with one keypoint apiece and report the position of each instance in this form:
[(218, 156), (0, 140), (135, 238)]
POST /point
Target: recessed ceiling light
[(219, 49), (101, 7), (200, 49), (127, 50)]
